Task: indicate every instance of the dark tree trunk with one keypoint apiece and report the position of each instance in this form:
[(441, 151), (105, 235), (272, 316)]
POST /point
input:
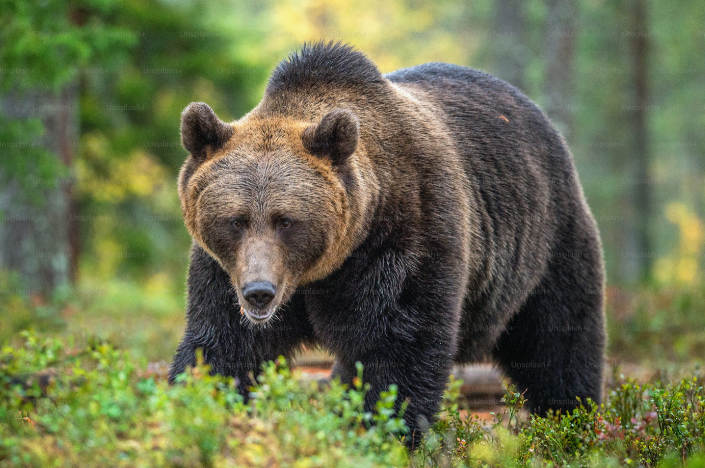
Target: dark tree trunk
[(638, 122), (510, 42), (561, 31)]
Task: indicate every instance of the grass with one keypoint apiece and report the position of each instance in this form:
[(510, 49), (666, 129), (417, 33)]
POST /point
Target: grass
[(651, 324), (147, 321)]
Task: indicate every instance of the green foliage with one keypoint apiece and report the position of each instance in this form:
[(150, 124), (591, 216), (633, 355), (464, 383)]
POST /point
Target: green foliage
[(650, 425), (46, 43), (146, 320), (101, 409), (20, 312)]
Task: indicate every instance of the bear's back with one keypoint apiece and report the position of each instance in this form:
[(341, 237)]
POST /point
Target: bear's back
[(512, 153), (487, 113), (518, 167)]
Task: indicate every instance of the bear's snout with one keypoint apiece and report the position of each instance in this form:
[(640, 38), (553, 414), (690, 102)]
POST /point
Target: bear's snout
[(259, 293)]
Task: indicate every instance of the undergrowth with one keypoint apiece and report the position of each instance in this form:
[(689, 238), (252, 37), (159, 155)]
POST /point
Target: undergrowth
[(94, 406)]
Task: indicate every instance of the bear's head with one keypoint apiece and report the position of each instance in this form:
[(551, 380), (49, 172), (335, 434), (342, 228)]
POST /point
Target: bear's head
[(269, 198)]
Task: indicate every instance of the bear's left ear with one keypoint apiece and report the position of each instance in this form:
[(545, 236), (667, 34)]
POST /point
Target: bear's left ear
[(201, 128), (335, 136)]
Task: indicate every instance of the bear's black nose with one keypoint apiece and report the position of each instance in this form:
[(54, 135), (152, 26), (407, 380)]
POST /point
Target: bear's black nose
[(259, 293)]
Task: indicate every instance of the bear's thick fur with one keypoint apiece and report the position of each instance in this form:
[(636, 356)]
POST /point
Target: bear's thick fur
[(408, 221)]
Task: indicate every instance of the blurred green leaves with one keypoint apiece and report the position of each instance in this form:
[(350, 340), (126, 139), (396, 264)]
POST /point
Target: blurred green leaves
[(46, 43)]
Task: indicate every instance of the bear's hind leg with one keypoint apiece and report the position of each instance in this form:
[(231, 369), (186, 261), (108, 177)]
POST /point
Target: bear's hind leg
[(553, 349)]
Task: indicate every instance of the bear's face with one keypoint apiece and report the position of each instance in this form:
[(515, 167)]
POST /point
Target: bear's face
[(264, 198)]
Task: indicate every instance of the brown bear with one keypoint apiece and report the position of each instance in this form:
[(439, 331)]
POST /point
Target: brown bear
[(407, 221)]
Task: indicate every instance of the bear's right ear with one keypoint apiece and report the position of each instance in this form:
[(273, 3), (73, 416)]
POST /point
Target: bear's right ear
[(201, 129), (335, 136)]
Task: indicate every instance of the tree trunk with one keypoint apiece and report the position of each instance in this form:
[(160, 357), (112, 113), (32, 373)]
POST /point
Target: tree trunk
[(561, 30), (40, 241), (638, 121)]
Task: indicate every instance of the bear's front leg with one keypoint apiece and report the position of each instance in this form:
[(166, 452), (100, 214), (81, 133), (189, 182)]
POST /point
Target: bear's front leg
[(231, 345), (419, 369), (410, 347), (399, 318)]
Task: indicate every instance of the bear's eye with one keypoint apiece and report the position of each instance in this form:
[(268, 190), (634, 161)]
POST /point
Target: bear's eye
[(238, 222), (285, 223)]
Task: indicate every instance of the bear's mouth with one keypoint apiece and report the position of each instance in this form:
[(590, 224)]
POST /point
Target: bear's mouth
[(258, 316)]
